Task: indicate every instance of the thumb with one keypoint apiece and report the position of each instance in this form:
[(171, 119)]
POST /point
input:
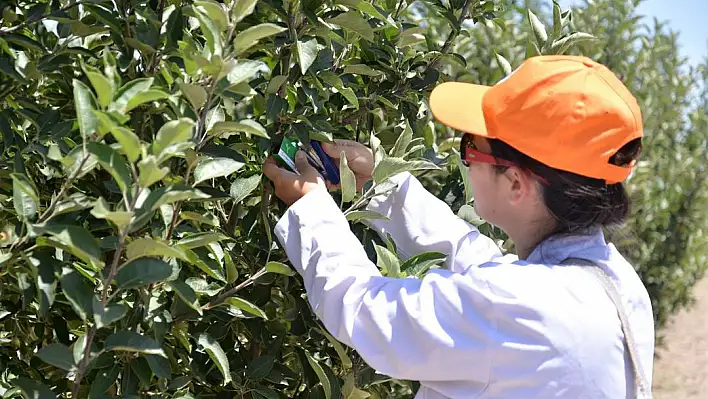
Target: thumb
[(303, 166)]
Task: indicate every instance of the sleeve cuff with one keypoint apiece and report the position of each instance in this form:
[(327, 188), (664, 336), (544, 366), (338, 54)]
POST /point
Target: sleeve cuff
[(314, 207)]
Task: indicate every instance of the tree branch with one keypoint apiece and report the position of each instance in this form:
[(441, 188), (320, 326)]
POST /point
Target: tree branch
[(62, 191), (453, 35)]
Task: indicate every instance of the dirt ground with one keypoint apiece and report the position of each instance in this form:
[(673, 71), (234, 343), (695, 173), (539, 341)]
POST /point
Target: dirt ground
[(681, 372)]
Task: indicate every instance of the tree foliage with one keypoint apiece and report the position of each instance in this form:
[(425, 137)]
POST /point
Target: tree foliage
[(137, 257)]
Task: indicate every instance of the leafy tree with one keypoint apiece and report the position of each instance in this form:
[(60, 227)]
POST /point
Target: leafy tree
[(136, 250), (137, 256)]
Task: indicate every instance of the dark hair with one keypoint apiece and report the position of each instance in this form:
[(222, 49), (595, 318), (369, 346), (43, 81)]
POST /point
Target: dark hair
[(576, 202)]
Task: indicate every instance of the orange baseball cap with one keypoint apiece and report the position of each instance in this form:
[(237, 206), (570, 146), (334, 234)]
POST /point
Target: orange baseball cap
[(568, 112)]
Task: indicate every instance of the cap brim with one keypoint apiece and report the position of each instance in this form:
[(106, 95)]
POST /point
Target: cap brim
[(459, 106)]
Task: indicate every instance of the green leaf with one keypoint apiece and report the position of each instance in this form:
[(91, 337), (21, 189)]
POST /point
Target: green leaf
[(561, 45), (101, 211), (149, 247), (142, 271), (105, 378), (244, 186), (207, 218), (539, 31), (367, 8), (231, 271), (362, 69), (79, 293), (105, 316), (195, 94), (246, 306), (200, 240), (211, 31), (354, 22), (422, 262), (260, 367), (390, 166), (468, 214), (113, 163), (34, 390), (46, 281), (160, 366), (101, 84), (341, 352), (76, 239), (212, 168), (128, 91), (175, 194), (187, 294), (349, 94), (58, 355), (246, 125), (354, 216), (24, 196), (129, 341), (279, 268), (532, 49), (129, 142), (306, 54), (140, 368), (387, 261), (172, 132), (217, 355), (85, 104), (215, 11), (503, 64), (150, 171), (350, 391), (266, 392), (403, 141), (557, 22), (252, 35), (347, 179), (275, 83), (241, 71), (24, 41), (324, 380), (242, 9), (144, 97)]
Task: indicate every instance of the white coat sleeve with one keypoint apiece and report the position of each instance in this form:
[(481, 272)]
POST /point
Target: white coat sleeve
[(438, 328), (419, 222)]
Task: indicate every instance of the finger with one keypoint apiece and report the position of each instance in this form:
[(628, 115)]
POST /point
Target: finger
[(335, 148), (271, 170), (355, 152), (303, 166), (331, 149), (331, 186)]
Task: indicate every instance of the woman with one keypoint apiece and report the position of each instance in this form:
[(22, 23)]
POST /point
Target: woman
[(547, 150)]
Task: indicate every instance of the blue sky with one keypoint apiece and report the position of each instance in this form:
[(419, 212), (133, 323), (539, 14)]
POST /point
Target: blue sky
[(688, 17)]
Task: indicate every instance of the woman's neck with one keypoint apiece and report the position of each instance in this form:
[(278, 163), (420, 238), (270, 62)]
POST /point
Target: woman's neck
[(527, 236)]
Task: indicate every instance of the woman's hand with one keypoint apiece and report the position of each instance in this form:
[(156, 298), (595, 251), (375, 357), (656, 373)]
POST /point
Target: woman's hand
[(289, 186), (359, 158)]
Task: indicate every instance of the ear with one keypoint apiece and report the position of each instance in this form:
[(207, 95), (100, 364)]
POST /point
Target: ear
[(521, 185)]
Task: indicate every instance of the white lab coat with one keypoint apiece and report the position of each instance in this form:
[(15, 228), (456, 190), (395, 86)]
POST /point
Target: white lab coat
[(487, 326)]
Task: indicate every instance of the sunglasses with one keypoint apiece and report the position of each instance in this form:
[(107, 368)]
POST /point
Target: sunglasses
[(470, 154)]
